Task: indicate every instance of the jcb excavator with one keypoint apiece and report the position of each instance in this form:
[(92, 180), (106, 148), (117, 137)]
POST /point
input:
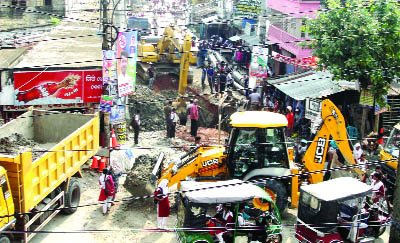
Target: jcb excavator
[(257, 149)]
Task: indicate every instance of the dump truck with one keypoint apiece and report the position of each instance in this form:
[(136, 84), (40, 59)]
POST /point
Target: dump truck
[(32, 188)]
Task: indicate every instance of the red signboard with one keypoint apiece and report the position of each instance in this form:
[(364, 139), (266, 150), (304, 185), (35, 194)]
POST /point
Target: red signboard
[(57, 87)]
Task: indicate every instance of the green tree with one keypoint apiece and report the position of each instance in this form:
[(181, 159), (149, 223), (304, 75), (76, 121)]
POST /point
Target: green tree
[(358, 40)]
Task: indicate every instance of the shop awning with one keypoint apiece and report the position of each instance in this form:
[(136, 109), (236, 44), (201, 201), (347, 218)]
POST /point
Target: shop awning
[(310, 84)]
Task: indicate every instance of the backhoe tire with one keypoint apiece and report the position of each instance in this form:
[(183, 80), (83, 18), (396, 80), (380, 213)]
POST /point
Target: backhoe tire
[(277, 187), (72, 197), (4, 239)]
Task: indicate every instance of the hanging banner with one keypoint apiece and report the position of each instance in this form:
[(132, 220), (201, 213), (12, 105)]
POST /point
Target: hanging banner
[(247, 8), (117, 114), (258, 70), (105, 103), (57, 87), (109, 67), (126, 54)]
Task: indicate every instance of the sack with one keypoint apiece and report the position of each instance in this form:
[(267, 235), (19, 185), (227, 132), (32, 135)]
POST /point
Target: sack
[(159, 197), (109, 188)]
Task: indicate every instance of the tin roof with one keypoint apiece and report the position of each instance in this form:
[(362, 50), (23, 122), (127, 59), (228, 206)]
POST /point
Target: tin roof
[(310, 84)]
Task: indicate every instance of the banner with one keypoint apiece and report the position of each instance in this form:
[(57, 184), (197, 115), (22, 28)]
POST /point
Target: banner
[(117, 114), (57, 87), (247, 8), (109, 67), (258, 70), (126, 54), (105, 103), (122, 134)]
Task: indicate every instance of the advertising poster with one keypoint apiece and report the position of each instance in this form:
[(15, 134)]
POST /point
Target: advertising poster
[(247, 8), (258, 70), (109, 67), (126, 64), (117, 114), (57, 87), (105, 103), (122, 134)]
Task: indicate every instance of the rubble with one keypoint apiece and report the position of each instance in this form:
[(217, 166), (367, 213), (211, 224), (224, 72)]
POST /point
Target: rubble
[(138, 180), (18, 143)]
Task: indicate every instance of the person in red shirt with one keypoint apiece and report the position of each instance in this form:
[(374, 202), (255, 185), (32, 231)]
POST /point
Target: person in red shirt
[(213, 231), (290, 118)]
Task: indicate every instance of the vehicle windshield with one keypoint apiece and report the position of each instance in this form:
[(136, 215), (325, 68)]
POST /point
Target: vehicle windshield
[(393, 143), (258, 148)]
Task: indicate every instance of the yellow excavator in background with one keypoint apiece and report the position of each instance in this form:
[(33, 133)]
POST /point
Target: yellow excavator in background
[(257, 149)]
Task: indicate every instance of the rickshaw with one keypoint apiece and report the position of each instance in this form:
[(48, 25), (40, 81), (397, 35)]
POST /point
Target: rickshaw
[(196, 205), (339, 210)]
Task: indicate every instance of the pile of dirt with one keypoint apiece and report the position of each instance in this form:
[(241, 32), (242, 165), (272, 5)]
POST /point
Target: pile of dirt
[(151, 105), (138, 181), (209, 136), (18, 143)]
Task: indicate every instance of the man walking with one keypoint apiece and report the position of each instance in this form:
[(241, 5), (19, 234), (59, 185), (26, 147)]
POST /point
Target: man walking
[(167, 113), (255, 100), (136, 126), (210, 77), (151, 72), (194, 117)]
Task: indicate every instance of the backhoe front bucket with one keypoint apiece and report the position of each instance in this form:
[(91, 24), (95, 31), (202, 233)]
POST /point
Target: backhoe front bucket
[(156, 173)]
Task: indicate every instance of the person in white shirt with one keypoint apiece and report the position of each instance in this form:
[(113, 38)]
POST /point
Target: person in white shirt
[(174, 119), (229, 80), (136, 126)]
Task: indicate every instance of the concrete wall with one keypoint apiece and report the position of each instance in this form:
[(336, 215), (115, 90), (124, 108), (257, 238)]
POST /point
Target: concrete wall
[(54, 127), (23, 126)]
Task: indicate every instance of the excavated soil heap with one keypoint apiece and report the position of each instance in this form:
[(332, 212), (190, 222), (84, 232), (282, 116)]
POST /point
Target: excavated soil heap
[(18, 143), (138, 180)]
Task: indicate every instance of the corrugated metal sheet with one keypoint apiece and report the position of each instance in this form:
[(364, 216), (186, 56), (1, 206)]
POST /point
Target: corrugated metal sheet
[(308, 85)]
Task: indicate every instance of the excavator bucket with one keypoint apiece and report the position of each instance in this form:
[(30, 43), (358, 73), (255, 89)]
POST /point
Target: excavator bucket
[(156, 173)]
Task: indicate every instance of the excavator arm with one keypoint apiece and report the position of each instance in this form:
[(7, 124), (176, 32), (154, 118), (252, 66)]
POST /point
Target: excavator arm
[(333, 125)]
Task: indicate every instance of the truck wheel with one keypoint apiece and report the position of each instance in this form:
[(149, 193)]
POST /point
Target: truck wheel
[(72, 197), (277, 192), (4, 239)]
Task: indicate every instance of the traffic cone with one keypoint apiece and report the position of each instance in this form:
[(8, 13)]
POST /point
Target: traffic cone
[(113, 142), (380, 140), (95, 163), (102, 164)]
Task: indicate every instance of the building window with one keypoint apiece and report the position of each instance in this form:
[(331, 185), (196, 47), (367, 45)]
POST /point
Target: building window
[(47, 2)]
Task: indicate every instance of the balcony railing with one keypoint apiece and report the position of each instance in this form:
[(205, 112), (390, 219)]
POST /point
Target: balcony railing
[(277, 35)]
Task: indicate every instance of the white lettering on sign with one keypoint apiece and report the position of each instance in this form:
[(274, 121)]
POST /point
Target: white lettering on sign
[(319, 152), (72, 92), (99, 86), (90, 78), (210, 162)]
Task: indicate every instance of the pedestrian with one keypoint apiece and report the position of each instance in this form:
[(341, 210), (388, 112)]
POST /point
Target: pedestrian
[(163, 211), (151, 72), (203, 76), (188, 121), (174, 120), (357, 152), (290, 119), (115, 174), (246, 85), (107, 191), (194, 117), (136, 126), (378, 188), (255, 100), (276, 105), (297, 117), (222, 82), (268, 104), (210, 77), (229, 80), (167, 113)]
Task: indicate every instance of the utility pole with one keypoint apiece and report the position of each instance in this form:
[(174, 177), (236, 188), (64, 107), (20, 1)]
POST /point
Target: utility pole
[(106, 115)]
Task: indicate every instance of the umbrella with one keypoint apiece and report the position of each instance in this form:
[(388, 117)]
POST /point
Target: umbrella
[(235, 38)]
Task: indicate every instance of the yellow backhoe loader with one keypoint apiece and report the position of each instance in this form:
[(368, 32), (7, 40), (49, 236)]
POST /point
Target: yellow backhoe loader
[(257, 149)]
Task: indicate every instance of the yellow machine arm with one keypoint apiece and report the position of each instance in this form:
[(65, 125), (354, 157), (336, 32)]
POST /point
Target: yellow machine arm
[(184, 65), (333, 125)]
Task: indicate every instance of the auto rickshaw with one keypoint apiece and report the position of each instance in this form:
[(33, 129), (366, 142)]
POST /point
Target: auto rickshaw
[(339, 210), (196, 206)]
